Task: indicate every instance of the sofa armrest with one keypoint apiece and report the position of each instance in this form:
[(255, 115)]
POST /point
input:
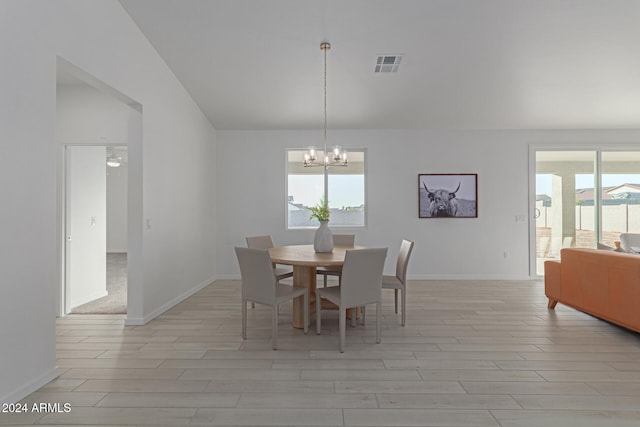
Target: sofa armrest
[(552, 284)]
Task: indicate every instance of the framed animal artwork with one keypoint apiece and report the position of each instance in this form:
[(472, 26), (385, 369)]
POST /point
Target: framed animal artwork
[(448, 195)]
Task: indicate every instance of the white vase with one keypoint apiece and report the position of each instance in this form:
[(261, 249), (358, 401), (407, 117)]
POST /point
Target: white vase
[(323, 241)]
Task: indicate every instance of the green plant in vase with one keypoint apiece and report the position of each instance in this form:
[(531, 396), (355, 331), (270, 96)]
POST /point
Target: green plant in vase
[(320, 211), (323, 239)]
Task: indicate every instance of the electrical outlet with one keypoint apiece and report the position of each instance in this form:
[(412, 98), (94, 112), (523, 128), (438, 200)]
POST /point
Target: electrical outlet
[(505, 254)]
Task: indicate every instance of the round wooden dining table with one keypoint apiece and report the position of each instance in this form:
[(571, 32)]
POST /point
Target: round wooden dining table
[(304, 261)]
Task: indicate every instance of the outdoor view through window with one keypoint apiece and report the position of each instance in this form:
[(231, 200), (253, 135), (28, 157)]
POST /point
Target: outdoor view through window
[(578, 207), (346, 190)]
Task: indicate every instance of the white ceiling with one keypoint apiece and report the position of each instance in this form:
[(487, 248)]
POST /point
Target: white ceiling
[(468, 64)]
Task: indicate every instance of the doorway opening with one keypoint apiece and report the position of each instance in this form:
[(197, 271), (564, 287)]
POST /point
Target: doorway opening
[(109, 199), (105, 126)]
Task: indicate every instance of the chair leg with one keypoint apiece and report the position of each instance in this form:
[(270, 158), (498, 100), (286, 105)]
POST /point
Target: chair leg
[(317, 314), (343, 327), (378, 322), (253, 305), (244, 319), (274, 327), (305, 300), (353, 317), (395, 299), (404, 305), (363, 310), (325, 280)]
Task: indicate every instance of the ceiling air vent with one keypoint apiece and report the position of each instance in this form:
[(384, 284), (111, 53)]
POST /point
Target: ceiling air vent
[(388, 63)]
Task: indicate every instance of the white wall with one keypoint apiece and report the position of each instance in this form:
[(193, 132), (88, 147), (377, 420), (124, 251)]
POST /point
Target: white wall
[(117, 208), (177, 253), (86, 116), (445, 248)]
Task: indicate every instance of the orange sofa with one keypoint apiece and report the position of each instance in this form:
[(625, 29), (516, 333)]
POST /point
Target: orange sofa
[(605, 284)]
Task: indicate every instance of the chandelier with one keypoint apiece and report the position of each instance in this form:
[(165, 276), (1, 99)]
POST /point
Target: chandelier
[(338, 156)]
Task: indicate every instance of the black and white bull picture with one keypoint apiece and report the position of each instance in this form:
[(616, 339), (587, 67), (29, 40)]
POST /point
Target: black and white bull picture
[(442, 203)]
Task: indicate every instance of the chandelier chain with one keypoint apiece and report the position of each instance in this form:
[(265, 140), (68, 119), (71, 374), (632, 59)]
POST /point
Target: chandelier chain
[(338, 156), (325, 47)]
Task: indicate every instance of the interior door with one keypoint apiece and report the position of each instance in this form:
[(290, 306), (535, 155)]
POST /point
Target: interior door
[(86, 205)]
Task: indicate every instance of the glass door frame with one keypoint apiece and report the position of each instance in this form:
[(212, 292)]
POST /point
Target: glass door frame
[(598, 148)]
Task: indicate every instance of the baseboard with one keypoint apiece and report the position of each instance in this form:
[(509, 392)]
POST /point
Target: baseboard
[(426, 277), (228, 277), (138, 321), (31, 386), (453, 277)]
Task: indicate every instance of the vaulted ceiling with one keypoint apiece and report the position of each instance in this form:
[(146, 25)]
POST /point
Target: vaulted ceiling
[(467, 64)]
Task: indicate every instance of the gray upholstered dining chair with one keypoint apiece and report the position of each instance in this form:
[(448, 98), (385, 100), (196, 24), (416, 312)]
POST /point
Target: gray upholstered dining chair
[(398, 282), (265, 242), (361, 285), (260, 285), (338, 240)]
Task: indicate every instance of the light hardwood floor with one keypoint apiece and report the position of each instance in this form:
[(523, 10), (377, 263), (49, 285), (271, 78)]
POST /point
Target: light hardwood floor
[(472, 354)]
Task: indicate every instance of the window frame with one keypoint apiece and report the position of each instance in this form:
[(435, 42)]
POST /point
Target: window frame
[(364, 169)]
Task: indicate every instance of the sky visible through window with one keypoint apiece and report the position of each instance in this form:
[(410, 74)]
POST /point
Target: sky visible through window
[(543, 181), (344, 190)]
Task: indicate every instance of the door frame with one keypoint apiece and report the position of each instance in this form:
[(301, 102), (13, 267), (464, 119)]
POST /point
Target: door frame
[(63, 308), (135, 235), (598, 147)]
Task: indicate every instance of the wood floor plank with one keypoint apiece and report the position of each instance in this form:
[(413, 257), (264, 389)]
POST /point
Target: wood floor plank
[(473, 353)]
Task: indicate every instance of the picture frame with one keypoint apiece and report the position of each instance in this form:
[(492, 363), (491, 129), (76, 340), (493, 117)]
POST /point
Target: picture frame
[(448, 195)]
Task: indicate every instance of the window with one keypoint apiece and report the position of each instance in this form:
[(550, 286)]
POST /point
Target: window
[(346, 190)]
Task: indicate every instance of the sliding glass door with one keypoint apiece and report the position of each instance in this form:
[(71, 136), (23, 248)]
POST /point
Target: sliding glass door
[(564, 211), (620, 195), (584, 198)]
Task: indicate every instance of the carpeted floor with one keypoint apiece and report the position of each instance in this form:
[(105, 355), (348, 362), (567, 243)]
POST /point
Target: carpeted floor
[(116, 300)]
